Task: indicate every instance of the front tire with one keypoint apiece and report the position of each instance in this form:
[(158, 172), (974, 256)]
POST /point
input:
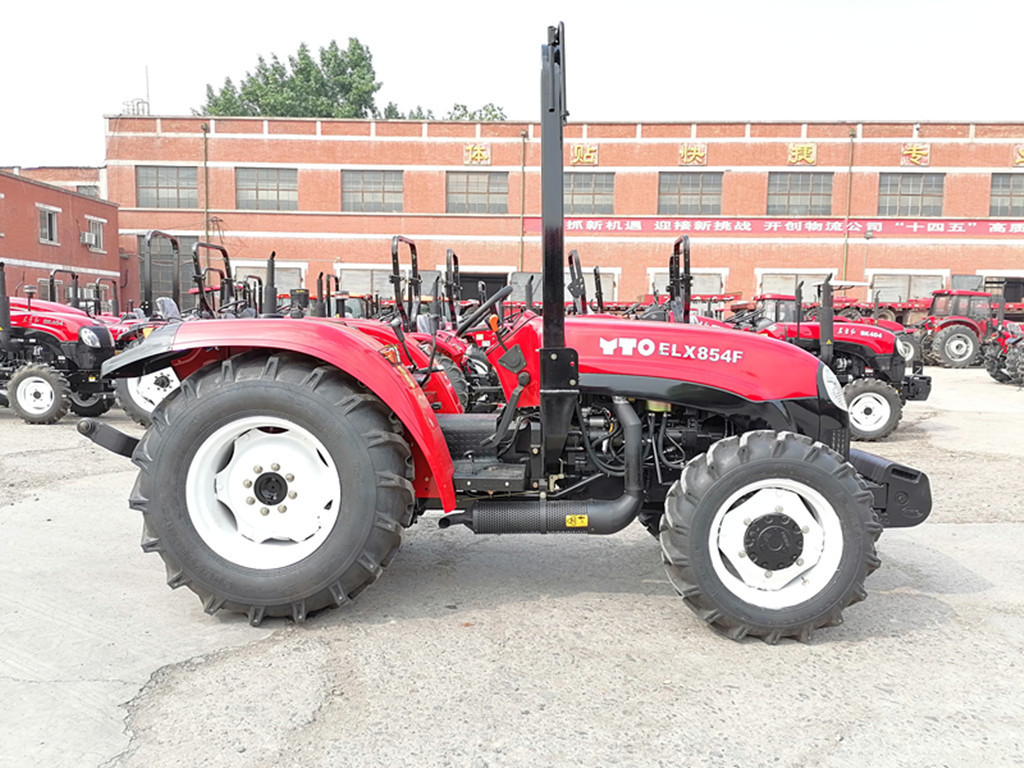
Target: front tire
[(273, 486), (769, 534), (908, 346), (955, 346), (89, 405), (38, 394), (875, 408)]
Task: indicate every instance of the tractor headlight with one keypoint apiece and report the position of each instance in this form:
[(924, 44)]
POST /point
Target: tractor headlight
[(832, 388), (95, 337)]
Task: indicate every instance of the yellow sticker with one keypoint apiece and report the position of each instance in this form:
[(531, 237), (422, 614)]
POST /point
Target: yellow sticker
[(577, 521)]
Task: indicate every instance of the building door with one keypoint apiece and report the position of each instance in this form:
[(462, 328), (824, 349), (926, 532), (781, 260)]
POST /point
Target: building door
[(493, 281)]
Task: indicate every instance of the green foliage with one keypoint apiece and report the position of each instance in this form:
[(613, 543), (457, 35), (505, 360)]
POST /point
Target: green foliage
[(338, 83), (488, 112)]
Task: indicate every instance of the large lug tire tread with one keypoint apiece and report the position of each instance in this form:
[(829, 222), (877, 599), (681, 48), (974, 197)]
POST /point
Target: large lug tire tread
[(942, 338), (884, 390), (88, 406), (925, 339), (456, 377), (348, 421), (709, 479), (996, 363), (1015, 364), (57, 382)]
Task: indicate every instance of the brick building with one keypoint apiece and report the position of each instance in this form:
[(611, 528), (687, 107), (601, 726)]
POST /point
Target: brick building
[(904, 206), (45, 227)]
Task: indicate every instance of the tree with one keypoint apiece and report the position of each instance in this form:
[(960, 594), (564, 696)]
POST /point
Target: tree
[(487, 113), (339, 83)]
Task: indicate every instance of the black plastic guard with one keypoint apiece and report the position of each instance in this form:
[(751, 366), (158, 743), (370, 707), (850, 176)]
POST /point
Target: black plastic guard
[(903, 495), (916, 387)]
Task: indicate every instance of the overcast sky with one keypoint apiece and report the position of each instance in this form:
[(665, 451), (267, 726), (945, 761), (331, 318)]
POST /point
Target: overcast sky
[(66, 64)]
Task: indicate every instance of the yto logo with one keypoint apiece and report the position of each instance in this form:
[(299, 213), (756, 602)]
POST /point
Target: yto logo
[(630, 347)]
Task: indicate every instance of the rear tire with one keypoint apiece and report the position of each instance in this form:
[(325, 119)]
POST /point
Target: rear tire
[(769, 534), (140, 395), (456, 377), (955, 346), (875, 408), (38, 394), (1015, 364), (273, 486), (995, 363), (886, 314)]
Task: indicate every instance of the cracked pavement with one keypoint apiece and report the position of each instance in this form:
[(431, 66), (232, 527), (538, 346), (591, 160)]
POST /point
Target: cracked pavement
[(513, 651)]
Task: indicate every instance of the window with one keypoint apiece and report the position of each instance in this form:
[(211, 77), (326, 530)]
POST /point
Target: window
[(267, 189), (89, 190), (910, 194), (901, 287), (166, 187), (96, 230), (799, 194), (476, 192), (163, 268), (371, 191), (689, 194), (44, 289), (1007, 197), (704, 283), (786, 282), (48, 226), (589, 193)]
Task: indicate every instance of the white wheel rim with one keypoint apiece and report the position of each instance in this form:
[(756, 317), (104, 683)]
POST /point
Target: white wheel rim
[(229, 505), (35, 395), (869, 411), (149, 390), (905, 349), (819, 559), (958, 347)]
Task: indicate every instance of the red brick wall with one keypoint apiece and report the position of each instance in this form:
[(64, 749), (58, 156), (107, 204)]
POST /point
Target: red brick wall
[(321, 235)]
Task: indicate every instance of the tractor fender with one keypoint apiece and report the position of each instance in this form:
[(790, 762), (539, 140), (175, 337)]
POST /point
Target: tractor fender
[(189, 346), (438, 384)]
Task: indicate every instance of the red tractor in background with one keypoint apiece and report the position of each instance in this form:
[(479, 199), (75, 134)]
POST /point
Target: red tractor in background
[(956, 323), (50, 357), (277, 480)]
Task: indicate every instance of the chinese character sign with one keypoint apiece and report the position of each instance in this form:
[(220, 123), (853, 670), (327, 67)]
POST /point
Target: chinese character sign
[(1018, 155), (476, 154), (915, 154), (583, 154), (693, 154), (803, 154)]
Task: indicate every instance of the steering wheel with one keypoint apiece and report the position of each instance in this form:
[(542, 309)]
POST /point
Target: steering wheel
[(477, 314)]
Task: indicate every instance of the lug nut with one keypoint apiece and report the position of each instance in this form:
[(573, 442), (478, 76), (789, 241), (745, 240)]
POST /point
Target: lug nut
[(800, 561), (275, 467), (289, 478), (805, 529), (742, 554), (282, 508), (292, 494), (250, 500), (746, 521), (778, 510), (247, 483), (257, 469), (767, 574), (264, 511)]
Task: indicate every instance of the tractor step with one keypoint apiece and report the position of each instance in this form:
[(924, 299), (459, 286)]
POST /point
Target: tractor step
[(488, 475), (916, 387)]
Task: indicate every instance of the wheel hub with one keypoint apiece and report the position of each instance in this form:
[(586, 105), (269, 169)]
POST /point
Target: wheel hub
[(270, 488), (773, 542), (869, 411)]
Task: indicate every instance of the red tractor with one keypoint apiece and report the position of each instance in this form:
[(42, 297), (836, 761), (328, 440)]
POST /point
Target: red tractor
[(277, 480), (957, 321), (50, 357)]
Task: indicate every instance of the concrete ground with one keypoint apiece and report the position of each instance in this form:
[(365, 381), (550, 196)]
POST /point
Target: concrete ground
[(514, 651)]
